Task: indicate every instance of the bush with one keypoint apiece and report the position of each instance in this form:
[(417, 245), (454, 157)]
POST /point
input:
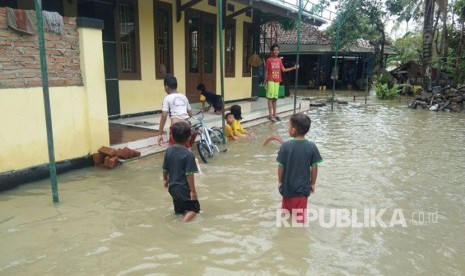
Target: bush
[(383, 92), (385, 86), (384, 77)]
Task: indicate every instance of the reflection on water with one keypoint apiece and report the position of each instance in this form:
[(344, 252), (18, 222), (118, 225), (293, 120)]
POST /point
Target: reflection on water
[(377, 156)]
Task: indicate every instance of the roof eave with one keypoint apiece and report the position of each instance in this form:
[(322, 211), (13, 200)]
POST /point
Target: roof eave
[(281, 9)]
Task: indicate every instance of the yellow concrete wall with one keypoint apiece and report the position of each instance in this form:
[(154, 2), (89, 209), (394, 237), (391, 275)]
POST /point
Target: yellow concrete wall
[(79, 116), (95, 97), (238, 87), (23, 137), (147, 94)]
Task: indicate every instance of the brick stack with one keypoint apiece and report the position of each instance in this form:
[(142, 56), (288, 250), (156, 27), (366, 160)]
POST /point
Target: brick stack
[(108, 157)]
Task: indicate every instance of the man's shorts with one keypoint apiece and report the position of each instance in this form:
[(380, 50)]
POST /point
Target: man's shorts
[(182, 202), (272, 90)]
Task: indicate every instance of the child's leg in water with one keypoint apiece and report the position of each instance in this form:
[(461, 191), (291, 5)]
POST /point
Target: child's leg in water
[(198, 165), (189, 216)]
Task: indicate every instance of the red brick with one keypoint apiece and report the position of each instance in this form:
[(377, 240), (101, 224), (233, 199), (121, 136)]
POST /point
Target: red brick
[(6, 58), (106, 161), (8, 51), (22, 43), (30, 52), (32, 66), (6, 43), (24, 59), (57, 83), (4, 76), (76, 82), (34, 83), (29, 74), (125, 153), (107, 151), (12, 66), (135, 153), (112, 162), (12, 84), (98, 158)]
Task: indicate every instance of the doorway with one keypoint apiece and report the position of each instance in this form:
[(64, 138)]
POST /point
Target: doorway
[(200, 52)]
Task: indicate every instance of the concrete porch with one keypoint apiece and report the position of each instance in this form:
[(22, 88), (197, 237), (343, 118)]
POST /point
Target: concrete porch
[(140, 133)]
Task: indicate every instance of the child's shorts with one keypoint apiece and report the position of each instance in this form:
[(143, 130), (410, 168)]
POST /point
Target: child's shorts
[(299, 204), (182, 201), (172, 142), (272, 90), (218, 104)]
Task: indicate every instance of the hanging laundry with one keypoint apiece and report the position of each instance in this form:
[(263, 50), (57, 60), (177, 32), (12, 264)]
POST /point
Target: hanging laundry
[(23, 21), (53, 22)]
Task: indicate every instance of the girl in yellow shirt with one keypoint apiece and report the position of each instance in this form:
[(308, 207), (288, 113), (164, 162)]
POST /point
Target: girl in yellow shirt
[(236, 125), (231, 134)]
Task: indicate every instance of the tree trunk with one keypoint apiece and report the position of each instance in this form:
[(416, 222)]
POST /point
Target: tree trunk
[(428, 44), (458, 60), (445, 38)]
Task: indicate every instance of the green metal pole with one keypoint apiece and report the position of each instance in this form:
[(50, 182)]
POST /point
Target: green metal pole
[(299, 23), (220, 35), (48, 116), (335, 64)]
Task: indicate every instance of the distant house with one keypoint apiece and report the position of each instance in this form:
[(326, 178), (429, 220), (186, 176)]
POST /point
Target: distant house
[(317, 56), (411, 73)]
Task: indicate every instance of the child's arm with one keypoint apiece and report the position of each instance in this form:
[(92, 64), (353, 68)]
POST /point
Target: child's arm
[(165, 179), (191, 183), (313, 180), (238, 134), (280, 176), (290, 68), (265, 75), (164, 116), (229, 132)]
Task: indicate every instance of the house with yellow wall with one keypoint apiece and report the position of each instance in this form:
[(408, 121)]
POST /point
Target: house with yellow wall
[(108, 61)]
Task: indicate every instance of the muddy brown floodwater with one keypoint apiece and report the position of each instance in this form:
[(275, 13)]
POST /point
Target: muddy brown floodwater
[(382, 161)]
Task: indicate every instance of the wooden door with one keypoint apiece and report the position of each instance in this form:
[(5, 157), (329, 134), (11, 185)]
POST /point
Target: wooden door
[(200, 52)]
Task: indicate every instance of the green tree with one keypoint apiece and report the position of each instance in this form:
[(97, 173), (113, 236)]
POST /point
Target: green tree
[(408, 48), (362, 19)]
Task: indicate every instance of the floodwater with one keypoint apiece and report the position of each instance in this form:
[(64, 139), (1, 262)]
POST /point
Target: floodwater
[(406, 167)]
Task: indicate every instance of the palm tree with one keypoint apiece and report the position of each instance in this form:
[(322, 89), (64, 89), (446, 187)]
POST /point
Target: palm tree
[(428, 34)]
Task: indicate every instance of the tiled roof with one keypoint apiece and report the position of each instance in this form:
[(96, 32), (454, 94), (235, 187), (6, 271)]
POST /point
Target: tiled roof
[(309, 35)]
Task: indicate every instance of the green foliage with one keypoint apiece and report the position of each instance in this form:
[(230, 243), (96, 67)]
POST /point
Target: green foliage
[(395, 6), (355, 19), (383, 92), (459, 8), (407, 48), (455, 62), (385, 87), (384, 78)]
